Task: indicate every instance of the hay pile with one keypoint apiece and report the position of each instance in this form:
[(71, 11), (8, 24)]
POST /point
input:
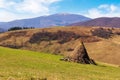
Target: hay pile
[(79, 55)]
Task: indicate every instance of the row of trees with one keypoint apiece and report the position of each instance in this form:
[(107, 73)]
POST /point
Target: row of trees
[(19, 28)]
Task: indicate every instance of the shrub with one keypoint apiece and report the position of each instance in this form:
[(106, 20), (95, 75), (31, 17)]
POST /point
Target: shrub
[(61, 36), (101, 32)]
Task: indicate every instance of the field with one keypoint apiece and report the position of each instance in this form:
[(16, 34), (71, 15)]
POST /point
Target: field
[(107, 51), (103, 46), (27, 65)]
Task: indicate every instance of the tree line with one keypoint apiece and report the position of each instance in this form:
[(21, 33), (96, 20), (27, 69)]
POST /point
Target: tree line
[(19, 28)]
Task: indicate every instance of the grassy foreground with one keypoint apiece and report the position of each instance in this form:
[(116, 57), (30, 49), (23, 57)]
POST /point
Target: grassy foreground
[(28, 65)]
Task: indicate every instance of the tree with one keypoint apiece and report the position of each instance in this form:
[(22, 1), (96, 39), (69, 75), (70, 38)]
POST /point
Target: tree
[(14, 28)]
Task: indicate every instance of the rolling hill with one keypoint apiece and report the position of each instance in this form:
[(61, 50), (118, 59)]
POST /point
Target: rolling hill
[(101, 22), (60, 19), (102, 43), (28, 65)]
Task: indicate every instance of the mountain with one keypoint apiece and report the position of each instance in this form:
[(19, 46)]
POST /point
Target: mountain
[(2, 23), (2, 30), (103, 22), (61, 19)]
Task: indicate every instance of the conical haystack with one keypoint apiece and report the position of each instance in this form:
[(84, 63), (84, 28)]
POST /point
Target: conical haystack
[(80, 55)]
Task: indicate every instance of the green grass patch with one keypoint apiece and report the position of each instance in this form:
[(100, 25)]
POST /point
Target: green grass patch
[(27, 65)]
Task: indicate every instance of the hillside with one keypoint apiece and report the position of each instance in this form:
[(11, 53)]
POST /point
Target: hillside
[(63, 40), (106, 50), (60, 19), (102, 22), (27, 65)]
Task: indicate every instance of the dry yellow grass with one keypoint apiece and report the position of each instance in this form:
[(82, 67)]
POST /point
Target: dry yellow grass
[(106, 50)]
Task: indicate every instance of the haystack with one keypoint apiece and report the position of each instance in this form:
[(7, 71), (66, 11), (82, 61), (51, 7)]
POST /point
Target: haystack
[(79, 55)]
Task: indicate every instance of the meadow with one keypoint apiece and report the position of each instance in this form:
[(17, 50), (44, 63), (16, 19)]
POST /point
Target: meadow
[(103, 47), (18, 64)]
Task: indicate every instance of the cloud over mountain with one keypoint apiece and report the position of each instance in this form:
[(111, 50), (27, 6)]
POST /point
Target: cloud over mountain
[(104, 10), (24, 8)]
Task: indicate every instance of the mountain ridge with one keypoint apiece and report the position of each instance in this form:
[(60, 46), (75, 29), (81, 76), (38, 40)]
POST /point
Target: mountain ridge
[(101, 22), (46, 21)]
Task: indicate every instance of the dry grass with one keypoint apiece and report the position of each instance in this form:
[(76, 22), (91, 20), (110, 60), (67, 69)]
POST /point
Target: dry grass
[(106, 50)]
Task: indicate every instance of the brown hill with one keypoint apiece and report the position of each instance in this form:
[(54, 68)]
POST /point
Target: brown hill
[(102, 43), (101, 22)]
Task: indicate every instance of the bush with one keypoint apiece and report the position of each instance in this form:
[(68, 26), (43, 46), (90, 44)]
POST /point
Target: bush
[(101, 32), (61, 36)]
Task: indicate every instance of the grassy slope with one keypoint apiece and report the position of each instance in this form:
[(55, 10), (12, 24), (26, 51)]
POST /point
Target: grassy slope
[(105, 51), (23, 65)]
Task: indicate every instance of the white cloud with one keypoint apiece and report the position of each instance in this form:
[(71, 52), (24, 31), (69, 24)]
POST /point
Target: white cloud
[(6, 15), (113, 8), (103, 6), (1, 3), (104, 10), (24, 8), (35, 6)]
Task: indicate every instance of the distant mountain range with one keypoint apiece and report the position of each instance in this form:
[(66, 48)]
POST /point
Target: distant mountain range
[(1, 30), (61, 19), (102, 22), (2, 23)]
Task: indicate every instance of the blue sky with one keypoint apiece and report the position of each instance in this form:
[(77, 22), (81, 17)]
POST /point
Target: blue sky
[(84, 5), (20, 9)]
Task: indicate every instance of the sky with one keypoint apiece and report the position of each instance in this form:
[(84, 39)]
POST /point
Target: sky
[(22, 9)]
